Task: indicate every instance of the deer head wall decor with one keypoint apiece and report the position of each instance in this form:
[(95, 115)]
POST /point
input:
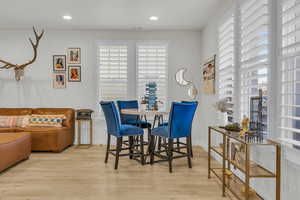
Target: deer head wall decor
[(19, 69)]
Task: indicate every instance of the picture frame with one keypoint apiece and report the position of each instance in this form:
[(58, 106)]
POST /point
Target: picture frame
[(74, 56), (209, 75), (59, 63), (74, 73), (59, 80)]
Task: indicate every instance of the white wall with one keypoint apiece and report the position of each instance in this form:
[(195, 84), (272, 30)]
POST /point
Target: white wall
[(35, 90), (290, 171)]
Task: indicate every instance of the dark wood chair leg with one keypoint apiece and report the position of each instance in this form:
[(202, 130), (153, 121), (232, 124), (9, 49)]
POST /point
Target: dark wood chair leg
[(107, 148), (178, 144), (149, 134), (152, 149), (142, 149), (159, 144), (130, 140), (191, 145), (188, 146), (170, 154), (119, 146)]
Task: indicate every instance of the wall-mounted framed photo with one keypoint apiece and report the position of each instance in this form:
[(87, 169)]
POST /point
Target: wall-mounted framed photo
[(59, 63), (209, 75), (74, 73), (59, 80), (74, 55)]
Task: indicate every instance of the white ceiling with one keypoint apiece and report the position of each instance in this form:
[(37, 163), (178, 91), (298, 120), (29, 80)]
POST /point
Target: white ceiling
[(107, 14)]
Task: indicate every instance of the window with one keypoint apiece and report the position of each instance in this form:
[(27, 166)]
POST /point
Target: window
[(254, 48), (226, 61), (113, 71), (290, 72), (126, 66), (152, 65)]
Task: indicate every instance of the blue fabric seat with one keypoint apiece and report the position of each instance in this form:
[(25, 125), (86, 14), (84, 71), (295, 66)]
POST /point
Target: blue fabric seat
[(161, 131), (131, 119), (115, 128), (179, 126), (129, 130)]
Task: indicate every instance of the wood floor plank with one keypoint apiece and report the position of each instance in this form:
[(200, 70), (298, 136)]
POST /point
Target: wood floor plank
[(80, 174)]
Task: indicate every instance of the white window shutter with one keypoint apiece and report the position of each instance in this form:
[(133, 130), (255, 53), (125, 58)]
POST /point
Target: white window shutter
[(254, 49), (113, 72), (290, 72), (152, 66), (226, 60)]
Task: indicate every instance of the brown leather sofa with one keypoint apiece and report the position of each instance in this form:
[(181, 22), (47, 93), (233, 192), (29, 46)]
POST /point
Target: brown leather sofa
[(53, 139), (14, 147)]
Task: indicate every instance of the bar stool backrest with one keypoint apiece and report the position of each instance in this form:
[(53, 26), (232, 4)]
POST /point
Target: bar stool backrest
[(130, 104), (181, 119), (111, 117)]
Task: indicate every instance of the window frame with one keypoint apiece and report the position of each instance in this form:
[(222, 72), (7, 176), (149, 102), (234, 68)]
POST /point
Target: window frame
[(153, 42), (274, 75), (108, 42), (132, 84)]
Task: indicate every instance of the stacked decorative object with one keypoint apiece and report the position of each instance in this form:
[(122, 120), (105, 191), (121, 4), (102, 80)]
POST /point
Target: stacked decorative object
[(150, 96)]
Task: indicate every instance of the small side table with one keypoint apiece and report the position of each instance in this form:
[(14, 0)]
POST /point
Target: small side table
[(84, 115)]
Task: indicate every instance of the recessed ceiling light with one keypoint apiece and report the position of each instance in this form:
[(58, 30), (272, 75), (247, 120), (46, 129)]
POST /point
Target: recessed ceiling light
[(67, 17), (153, 18)]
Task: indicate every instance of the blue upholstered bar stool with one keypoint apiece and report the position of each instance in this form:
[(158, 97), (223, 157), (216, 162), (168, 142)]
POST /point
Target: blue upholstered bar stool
[(179, 126), (115, 128), (132, 119), (178, 143)]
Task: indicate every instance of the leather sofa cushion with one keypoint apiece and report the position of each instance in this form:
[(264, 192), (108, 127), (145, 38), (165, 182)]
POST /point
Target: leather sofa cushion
[(5, 130), (44, 129), (15, 111), (12, 137)]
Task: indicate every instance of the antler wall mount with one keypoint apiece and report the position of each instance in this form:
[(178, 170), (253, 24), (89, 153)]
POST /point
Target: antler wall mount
[(19, 69)]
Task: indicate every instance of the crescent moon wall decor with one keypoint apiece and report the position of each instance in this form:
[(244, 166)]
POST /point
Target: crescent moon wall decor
[(179, 77), (192, 92)]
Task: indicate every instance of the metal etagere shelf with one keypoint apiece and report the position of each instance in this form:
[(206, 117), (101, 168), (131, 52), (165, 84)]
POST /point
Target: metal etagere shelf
[(226, 170)]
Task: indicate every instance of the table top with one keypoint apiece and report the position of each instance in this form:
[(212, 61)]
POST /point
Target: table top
[(143, 112)]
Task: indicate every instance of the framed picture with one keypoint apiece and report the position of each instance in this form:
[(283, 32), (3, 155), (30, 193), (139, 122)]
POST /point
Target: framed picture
[(59, 63), (74, 56), (74, 73), (209, 75), (59, 80)]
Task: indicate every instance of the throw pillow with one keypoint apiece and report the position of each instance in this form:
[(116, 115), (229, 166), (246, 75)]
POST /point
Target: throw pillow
[(14, 121), (47, 120)]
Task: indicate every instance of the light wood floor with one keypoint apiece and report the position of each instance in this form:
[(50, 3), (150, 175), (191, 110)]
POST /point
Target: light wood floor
[(80, 174)]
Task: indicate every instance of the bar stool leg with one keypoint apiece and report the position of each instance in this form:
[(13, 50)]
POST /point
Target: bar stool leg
[(152, 149), (107, 148), (191, 147), (119, 146), (142, 149), (170, 154), (178, 144), (188, 146), (130, 140)]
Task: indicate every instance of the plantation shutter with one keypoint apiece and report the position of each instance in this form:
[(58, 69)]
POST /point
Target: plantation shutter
[(254, 24), (113, 72), (226, 61), (290, 72), (152, 66)]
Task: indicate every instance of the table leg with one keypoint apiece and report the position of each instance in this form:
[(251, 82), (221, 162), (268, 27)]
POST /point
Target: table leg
[(79, 133), (91, 132)]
